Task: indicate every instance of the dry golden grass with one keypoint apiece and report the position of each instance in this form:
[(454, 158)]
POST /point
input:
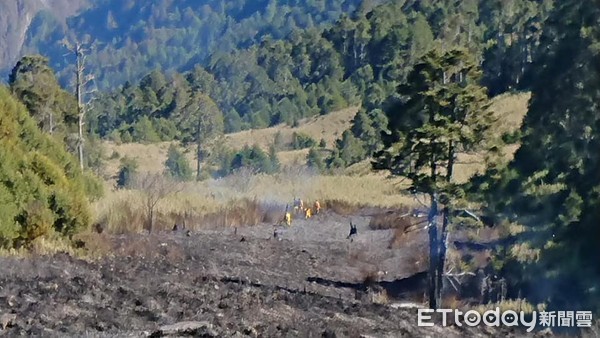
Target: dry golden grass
[(510, 109), (151, 157), (42, 246), (511, 304), (122, 210), (292, 157), (328, 127)]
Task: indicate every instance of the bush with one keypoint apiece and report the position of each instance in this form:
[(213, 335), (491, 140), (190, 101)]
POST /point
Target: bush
[(127, 171), (314, 160), (302, 141), (95, 156), (177, 165), (126, 136), (92, 186), (36, 221), (42, 189), (252, 158), (115, 136)]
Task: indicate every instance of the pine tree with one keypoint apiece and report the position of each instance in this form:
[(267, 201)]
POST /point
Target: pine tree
[(553, 184), (202, 121), (351, 149), (35, 84), (444, 112)]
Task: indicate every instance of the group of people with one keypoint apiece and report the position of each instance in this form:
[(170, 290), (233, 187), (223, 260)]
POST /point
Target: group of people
[(299, 208)]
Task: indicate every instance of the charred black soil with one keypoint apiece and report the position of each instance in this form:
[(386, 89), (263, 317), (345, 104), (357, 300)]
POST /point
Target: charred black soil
[(310, 282)]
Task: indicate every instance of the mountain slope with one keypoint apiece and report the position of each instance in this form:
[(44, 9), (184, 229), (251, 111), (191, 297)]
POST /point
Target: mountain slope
[(510, 108), (16, 16), (130, 38)]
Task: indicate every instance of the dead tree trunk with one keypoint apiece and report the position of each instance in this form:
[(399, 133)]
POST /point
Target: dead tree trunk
[(80, 82), (443, 245), (433, 253), (80, 106)]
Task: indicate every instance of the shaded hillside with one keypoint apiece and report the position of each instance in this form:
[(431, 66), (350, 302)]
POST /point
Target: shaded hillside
[(130, 38), (17, 17)]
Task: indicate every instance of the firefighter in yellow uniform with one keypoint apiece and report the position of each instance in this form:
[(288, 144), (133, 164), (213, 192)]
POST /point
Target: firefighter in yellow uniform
[(288, 218), (308, 213)]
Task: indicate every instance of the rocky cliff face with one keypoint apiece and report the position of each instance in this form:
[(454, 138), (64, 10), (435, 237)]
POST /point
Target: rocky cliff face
[(16, 17)]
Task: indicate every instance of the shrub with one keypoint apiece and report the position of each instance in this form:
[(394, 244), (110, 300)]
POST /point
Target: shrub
[(42, 189), (126, 136), (314, 160), (92, 186), (127, 171), (115, 136), (177, 165), (302, 141), (165, 129), (255, 159)]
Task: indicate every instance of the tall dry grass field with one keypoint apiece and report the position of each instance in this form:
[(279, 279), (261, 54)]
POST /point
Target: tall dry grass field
[(357, 185), (123, 210)]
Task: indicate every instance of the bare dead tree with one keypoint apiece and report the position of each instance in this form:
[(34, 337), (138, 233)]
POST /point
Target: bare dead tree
[(81, 81), (155, 188)]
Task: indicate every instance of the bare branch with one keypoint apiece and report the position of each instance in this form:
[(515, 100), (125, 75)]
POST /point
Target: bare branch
[(156, 187)]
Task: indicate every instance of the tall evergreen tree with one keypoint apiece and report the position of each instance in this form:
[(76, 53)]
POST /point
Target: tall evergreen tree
[(444, 111), (202, 120), (553, 184), (35, 84)]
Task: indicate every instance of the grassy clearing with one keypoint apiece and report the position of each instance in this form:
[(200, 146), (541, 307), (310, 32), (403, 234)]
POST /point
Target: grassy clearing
[(355, 186), (510, 108), (151, 157), (328, 127), (203, 202)]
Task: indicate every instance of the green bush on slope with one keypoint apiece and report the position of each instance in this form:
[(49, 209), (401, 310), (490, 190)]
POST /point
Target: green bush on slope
[(42, 190)]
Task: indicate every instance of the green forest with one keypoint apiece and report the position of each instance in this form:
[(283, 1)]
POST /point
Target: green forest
[(360, 59), (422, 72)]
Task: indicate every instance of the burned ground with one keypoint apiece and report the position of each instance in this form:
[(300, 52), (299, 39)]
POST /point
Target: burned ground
[(309, 283)]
